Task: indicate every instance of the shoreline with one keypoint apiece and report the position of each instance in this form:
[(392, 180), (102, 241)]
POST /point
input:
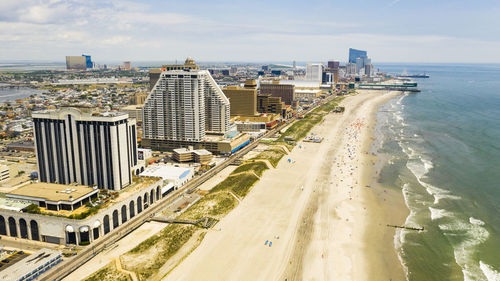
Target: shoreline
[(321, 227), (388, 207)]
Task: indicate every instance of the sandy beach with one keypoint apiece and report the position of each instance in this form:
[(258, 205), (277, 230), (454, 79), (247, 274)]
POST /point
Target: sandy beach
[(323, 213)]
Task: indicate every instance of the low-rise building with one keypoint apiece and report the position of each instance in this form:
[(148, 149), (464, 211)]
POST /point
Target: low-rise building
[(216, 144), (250, 126), (202, 156), (62, 223), (270, 104), (32, 266), (178, 176), (54, 197), (144, 153)]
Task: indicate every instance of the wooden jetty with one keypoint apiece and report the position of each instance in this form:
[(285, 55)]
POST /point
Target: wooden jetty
[(407, 227)]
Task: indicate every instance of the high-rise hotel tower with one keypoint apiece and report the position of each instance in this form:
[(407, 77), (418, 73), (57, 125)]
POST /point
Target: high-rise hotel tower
[(184, 105), (77, 145)]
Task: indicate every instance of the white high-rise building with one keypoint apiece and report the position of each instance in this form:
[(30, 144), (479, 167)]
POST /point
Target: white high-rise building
[(350, 68), (361, 63), (89, 148), (314, 72), (184, 105)]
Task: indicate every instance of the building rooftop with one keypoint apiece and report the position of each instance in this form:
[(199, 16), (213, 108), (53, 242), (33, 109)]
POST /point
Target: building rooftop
[(182, 150), (202, 152), (51, 192), (29, 264), (166, 172), (80, 114), (13, 205)]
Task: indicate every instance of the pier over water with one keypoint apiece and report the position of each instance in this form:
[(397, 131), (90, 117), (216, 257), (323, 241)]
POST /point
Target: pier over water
[(406, 87)]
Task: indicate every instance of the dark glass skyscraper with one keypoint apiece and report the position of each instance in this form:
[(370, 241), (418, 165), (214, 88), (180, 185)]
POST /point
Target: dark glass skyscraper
[(354, 54)]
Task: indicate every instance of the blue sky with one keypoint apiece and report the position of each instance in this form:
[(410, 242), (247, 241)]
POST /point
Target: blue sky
[(254, 31)]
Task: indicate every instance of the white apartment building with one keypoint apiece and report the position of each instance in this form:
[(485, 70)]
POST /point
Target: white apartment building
[(184, 105), (314, 72), (89, 148)]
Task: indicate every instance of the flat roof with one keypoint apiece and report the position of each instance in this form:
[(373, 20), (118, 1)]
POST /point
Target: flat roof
[(29, 264), (166, 172), (13, 205), (182, 150), (51, 192), (80, 114), (202, 152)]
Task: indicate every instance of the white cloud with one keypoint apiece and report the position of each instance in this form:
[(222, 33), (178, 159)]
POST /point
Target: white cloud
[(115, 30), (116, 40), (394, 3)]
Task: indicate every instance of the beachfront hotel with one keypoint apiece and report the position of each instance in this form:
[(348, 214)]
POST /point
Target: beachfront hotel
[(89, 180), (184, 105), (86, 147), (185, 108)]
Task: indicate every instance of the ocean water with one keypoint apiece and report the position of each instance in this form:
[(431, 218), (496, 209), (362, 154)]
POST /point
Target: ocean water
[(443, 146)]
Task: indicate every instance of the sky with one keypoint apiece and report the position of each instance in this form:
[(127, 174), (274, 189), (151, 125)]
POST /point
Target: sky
[(422, 31)]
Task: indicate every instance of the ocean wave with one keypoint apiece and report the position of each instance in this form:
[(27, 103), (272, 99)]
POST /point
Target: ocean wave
[(398, 245), (473, 235), (490, 273), (428, 165), (437, 192), (419, 169), (400, 234), (439, 213)]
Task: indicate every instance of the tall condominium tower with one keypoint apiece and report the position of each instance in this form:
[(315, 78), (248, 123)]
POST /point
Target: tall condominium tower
[(314, 71), (184, 105), (77, 145)]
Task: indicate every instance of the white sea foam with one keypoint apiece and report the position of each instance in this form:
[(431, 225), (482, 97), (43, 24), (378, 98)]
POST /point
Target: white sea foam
[(474, 235), (428, 165), (490, 273), (419, 169), (439, 213), (476, 221), (400, 235)]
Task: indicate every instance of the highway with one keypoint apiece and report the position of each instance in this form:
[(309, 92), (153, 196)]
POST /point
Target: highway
[(68, 265)]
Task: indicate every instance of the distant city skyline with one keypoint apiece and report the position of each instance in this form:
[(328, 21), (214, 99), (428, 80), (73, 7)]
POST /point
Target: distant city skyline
[(154, 30)]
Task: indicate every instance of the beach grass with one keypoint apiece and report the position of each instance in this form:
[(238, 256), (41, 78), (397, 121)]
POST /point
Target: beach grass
[(300, 128), (108, 273), (273, 154), (257, 167), (149, 256), (215, 204)]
